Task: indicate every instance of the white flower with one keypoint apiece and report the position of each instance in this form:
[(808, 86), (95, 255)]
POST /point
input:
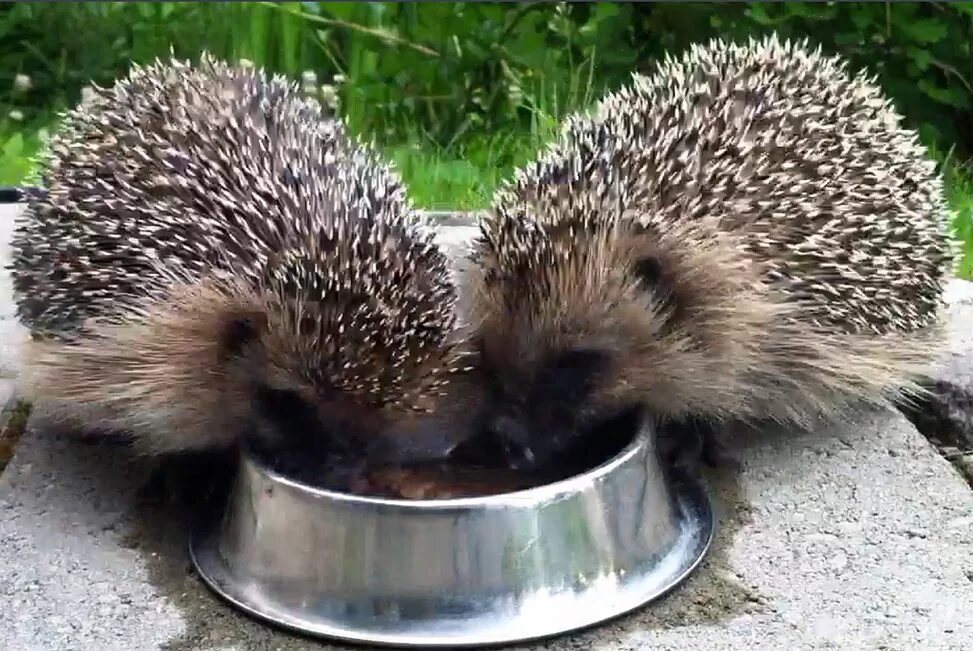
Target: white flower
[(15, 115), (22, 83), (329, 95)]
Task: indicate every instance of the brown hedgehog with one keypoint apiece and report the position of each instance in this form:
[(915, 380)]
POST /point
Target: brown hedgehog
[(215, 257), (746, 235)]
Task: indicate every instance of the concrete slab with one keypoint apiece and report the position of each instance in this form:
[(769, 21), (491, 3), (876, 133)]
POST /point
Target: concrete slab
[(959, 301), (859, 538), (11, 331), (854, 538)]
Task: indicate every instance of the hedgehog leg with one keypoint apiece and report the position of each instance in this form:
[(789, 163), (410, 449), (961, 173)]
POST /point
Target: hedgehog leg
[(190, 478), (692, 443), (715, 450), (680, 444)]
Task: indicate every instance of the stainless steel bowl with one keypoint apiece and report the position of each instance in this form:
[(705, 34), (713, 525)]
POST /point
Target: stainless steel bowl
[(457, 572)]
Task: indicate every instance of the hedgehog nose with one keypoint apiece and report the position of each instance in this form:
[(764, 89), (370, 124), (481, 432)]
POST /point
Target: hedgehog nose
[(514, 441)]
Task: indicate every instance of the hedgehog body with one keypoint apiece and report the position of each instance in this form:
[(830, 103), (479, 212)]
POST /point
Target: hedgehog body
[(215, 255), (748, 234)]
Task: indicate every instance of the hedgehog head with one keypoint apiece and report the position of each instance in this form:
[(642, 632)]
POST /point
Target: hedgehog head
[(351, 336), (585, 320)]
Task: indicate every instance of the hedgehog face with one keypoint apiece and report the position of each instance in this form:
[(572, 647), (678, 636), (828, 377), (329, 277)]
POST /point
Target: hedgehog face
[(309, 403), (546, 404), (341, 352), (581, 323), (553, 315), (537, 412)]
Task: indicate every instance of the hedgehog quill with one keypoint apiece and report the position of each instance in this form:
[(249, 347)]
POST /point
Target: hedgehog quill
[(746, 235), (215, 257)]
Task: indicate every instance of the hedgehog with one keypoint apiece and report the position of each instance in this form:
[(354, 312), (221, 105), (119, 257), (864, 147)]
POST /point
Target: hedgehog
[(216, 260), (747, 235)]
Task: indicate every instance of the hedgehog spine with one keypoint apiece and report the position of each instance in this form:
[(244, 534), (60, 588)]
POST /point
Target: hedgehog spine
[(208, 232), (703, 231)]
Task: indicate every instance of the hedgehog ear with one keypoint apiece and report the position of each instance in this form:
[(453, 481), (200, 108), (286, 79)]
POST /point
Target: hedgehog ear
[(239, 330), (648, 271)]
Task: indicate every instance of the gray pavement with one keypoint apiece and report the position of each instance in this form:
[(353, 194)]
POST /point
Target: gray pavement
[(855, 538), (11, 330)]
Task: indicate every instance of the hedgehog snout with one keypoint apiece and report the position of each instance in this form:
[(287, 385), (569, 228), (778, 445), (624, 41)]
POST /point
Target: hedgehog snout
[(290, 428), (498, 440), (431, 440), (514, 441)]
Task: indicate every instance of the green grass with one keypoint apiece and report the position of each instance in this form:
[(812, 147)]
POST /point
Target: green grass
[(17, 148), (439, 180), (459, 177), (461, 174), (959, 194), (462, 177)]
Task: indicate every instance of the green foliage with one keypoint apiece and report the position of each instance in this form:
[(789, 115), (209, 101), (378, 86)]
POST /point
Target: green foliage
[(460, 92), (457, 70), (17, 151), (921, 53), (959, 194)]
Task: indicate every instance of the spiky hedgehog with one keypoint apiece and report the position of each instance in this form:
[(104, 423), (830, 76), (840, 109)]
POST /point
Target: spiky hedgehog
[(215, 256), (748, 234)]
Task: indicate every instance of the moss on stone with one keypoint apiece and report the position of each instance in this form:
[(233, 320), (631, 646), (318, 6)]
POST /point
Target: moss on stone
[(14, 422)]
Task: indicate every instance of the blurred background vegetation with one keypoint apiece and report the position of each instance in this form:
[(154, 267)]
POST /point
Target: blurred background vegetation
[(460, 93)]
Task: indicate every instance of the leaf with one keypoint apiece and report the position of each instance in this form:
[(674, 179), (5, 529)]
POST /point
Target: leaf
[(14, 146), (758, 14), (925, 30), (339, 10), (950, 96), (603, 10), (919, 56), (862, 16), (963, 7), (810, 10), (848, 38), (929, 133)]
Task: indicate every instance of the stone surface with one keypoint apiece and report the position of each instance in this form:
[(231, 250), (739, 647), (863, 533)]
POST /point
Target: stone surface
[(11, 331), (849, 539), (859, 538), (454, 237)]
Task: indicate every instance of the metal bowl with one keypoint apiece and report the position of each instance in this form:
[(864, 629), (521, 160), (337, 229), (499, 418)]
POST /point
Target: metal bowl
[(456, 572)]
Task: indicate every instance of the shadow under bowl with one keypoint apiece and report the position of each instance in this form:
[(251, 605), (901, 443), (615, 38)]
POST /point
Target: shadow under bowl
[(456, 572)]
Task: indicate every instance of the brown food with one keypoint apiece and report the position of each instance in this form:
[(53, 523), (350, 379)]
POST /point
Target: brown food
[(442, 481)]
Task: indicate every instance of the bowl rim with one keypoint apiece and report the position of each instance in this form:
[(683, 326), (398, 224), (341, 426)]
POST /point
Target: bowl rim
[(544, 493)]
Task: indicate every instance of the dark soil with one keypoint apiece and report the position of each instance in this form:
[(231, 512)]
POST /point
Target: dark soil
[(946, 420)]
